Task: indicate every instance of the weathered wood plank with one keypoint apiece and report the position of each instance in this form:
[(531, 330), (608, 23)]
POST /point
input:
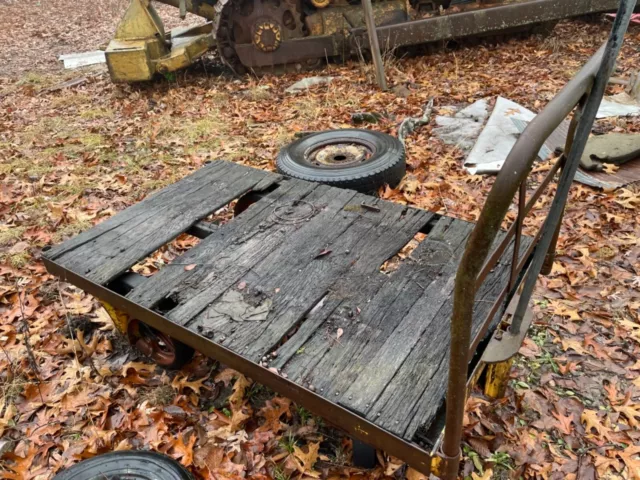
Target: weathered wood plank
[(227, 243), (412, 397), (375, 372), (331, 364), (295, 277), (110, 248), (273, 234)]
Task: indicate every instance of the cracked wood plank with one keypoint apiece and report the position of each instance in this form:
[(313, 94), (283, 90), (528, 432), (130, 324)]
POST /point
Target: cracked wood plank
[(110, 248)]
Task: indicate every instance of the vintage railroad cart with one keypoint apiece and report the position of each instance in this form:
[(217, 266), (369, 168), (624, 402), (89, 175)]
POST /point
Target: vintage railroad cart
[(290, 293)]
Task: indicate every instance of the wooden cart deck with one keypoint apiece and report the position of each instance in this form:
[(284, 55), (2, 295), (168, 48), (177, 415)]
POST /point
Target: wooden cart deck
[(291, 293)]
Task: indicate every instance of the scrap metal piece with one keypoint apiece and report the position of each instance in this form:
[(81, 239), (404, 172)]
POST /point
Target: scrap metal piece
[(76, 60), (504, 343)]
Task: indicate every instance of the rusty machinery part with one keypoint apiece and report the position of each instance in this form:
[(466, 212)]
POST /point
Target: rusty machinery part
[(130, 465), (362, 160), (267, 35), (339, 20), (332, 33), (159, 347), (320, 3), (265, 24)]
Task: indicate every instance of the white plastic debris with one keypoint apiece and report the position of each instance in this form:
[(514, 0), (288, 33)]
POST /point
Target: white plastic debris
[(497, 138), (75, 60), (463, 128), (619, 105), (308, 82)]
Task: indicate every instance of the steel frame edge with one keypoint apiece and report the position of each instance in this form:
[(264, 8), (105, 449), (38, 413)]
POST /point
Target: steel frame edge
[(348, 421)]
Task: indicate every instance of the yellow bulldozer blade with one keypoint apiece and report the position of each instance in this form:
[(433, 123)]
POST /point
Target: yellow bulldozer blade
[(141, 48)]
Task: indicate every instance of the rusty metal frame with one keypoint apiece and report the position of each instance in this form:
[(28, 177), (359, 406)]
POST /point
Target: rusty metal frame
[(583, 92), (346, 420), (487, 20)]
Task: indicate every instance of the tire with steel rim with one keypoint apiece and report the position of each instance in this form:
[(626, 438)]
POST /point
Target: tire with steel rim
[(127, 465), (362, 160)]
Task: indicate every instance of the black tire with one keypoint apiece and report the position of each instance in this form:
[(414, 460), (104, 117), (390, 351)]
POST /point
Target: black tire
[(383, 161), (129, 465)]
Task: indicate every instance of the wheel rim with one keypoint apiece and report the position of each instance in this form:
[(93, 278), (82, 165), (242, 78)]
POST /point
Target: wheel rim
[(154, 344), (339, 154)]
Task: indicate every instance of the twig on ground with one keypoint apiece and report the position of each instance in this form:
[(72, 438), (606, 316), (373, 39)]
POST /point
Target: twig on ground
[(27, 342), (408, 125)]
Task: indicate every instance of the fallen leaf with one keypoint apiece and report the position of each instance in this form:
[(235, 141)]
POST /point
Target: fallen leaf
[(306, 460)]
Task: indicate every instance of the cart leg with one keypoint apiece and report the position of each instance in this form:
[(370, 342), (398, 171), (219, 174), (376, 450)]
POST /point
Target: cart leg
[(497, 378), (364, 455)]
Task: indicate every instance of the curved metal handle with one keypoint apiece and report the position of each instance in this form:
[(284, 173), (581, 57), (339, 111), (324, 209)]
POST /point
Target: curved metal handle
[(590, 80)]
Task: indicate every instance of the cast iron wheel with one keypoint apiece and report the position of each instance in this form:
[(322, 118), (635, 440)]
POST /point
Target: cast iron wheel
[(361, 160), (126, 465), (165, 351)]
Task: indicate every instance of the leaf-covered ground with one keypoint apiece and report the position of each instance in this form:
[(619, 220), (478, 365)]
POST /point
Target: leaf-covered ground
[(70, 386)]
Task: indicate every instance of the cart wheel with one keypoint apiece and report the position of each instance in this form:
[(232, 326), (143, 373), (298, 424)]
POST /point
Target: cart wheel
[(130, 464), (165, 351)]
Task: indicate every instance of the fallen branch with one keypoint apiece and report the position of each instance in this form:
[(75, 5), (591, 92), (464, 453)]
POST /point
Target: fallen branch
[(408, 125)]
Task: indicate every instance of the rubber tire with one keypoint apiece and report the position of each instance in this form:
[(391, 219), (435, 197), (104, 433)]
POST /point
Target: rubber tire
[(124, 465), (386, 166)]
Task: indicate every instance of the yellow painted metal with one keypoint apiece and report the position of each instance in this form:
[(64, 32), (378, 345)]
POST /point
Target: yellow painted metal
[(436, 465), (141, 47), (129, 60), (120, 319), (184, 53), (140, 22), (497, 378), (320, 3)]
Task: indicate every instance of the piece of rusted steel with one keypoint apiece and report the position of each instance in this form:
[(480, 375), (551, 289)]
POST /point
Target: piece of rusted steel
[(504, 343), (290, 51), (522, 197), (484, 21), (592, 78)]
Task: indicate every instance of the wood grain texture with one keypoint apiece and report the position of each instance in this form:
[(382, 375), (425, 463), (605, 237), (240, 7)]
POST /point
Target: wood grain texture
[(110, 248), (297, 275)]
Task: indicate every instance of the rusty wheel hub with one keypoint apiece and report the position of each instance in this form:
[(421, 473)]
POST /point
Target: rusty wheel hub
[(267, 35), (339, 155), (154, 344)]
